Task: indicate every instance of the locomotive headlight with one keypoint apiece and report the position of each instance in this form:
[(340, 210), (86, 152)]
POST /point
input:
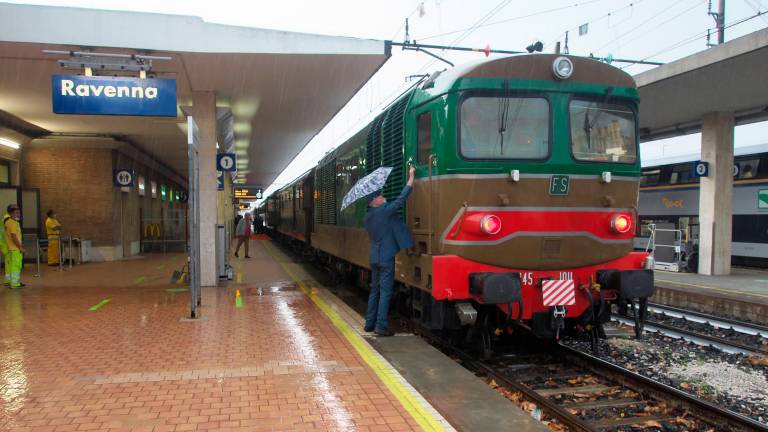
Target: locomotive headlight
[(490, 224), (621, 224), (562, 67)]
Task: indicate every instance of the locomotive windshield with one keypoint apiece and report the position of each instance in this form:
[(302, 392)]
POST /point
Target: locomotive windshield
[(602, 132), (493, 127)]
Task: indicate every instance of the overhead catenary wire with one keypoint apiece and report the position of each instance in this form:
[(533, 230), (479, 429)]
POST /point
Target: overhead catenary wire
[(401, 89), (684, 11), (701, 35), (456, 41), (401, 27), (757, 8), (631, 4), (516, 18), (616, 39)]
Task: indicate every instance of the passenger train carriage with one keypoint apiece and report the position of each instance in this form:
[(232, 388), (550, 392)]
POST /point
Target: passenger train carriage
[(524, 205), (669, 196)]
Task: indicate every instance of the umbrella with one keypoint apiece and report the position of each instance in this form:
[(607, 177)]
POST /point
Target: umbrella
[(366, 186)]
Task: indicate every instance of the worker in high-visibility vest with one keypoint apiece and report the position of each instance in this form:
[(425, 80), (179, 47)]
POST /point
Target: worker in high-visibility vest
[(15, 245), (53, 232), (4, 249)]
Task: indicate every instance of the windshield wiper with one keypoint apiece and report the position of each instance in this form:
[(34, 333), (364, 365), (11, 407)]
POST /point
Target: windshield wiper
[(588, 129), (503, 116)]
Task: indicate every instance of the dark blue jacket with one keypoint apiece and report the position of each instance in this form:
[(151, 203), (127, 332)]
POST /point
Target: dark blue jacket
[(387, 233)]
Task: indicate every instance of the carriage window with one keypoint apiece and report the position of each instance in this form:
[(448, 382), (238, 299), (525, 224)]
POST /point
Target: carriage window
[(424, 138), (650, 178), (682, 174), (602, 132), (748, 168), (504, 128)]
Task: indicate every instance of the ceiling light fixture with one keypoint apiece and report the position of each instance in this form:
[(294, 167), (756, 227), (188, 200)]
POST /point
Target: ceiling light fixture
[(8, 143)]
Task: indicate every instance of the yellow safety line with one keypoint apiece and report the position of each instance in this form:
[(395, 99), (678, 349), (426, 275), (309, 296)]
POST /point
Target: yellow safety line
[(239, 277), (411, 404), (726, 290)]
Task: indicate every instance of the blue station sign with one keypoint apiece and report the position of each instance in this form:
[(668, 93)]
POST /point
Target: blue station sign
[(76, 94)]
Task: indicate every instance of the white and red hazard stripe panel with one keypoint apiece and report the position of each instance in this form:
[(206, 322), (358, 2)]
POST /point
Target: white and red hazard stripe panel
[(558, 292)]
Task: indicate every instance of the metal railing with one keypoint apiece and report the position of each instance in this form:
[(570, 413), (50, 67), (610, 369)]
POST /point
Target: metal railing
[(65, 244), (673, 257)]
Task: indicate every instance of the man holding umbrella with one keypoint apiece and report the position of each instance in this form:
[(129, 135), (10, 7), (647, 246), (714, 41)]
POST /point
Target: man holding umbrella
[(388, 236)]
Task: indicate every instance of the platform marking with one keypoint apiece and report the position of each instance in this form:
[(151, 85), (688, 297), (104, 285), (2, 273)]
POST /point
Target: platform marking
[(177, 290), (160, 267), (425, 419), (239, 277), (140, 280), (99, 305), (725, 290)]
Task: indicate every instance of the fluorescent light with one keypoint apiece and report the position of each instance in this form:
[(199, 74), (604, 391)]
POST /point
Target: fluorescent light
[(8, 143)]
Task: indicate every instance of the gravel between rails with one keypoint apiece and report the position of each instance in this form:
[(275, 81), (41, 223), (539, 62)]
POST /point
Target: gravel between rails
[(733, 381)]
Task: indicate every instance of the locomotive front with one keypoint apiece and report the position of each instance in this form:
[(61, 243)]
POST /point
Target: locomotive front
[(527, 193)]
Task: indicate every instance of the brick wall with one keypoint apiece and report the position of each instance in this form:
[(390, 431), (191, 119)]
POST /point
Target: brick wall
[(77, 184)]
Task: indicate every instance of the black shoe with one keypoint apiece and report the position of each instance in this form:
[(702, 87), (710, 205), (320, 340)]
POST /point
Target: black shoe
[(385, 333), (368, 329), (236, 255), (247, 256)]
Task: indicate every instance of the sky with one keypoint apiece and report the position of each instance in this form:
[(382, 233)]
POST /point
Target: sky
[(656, 30)]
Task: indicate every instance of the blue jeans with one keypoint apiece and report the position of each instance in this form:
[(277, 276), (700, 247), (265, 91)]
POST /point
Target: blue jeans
[(382, 280)]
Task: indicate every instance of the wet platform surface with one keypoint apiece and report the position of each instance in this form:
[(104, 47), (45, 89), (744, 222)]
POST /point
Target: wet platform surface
[(742, 295), (133, 362), (466, 401)]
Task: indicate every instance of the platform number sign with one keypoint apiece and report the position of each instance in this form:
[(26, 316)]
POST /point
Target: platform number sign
[(225, 162), (701, 168), (559, 184), (123, 177)]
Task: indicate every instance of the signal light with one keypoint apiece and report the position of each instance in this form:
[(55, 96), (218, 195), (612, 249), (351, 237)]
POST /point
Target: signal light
[(490, 224), (621, 224)]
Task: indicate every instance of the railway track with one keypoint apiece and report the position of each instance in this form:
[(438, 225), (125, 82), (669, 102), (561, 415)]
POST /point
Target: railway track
[(706, 330), (714, 321), (586, 393)]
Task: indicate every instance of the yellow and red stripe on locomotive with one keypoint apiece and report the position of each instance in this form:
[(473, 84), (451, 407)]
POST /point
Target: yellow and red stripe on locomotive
[(527, 170)]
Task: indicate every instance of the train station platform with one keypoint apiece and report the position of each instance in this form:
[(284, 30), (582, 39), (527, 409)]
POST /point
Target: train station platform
[(741, 295), (109, 346)]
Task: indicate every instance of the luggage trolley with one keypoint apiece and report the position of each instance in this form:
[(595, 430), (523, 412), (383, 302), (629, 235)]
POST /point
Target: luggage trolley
[(667, 247)]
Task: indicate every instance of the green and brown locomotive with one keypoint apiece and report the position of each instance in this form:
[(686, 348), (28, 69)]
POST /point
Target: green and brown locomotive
[(525, 201)]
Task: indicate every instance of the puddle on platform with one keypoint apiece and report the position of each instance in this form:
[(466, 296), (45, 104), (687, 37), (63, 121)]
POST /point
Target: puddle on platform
[(270, 290)]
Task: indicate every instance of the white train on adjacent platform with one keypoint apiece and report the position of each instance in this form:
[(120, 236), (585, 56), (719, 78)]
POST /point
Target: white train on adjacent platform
[(669, 194)]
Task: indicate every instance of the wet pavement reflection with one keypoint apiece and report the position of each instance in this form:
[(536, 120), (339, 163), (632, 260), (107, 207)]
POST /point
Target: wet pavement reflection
[(276, 363)]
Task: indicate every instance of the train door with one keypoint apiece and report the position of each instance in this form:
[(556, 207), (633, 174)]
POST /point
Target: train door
[(307, 204), (421, 209), (295, 208)]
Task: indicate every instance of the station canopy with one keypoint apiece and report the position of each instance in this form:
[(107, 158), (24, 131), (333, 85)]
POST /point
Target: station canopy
[(729, 77), (274, 90)]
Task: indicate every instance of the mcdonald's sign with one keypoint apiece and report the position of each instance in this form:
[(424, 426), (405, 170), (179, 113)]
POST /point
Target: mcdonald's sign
[(152, 230)]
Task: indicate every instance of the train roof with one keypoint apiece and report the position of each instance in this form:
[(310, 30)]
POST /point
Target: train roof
[(738, 151), (531, 67)]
